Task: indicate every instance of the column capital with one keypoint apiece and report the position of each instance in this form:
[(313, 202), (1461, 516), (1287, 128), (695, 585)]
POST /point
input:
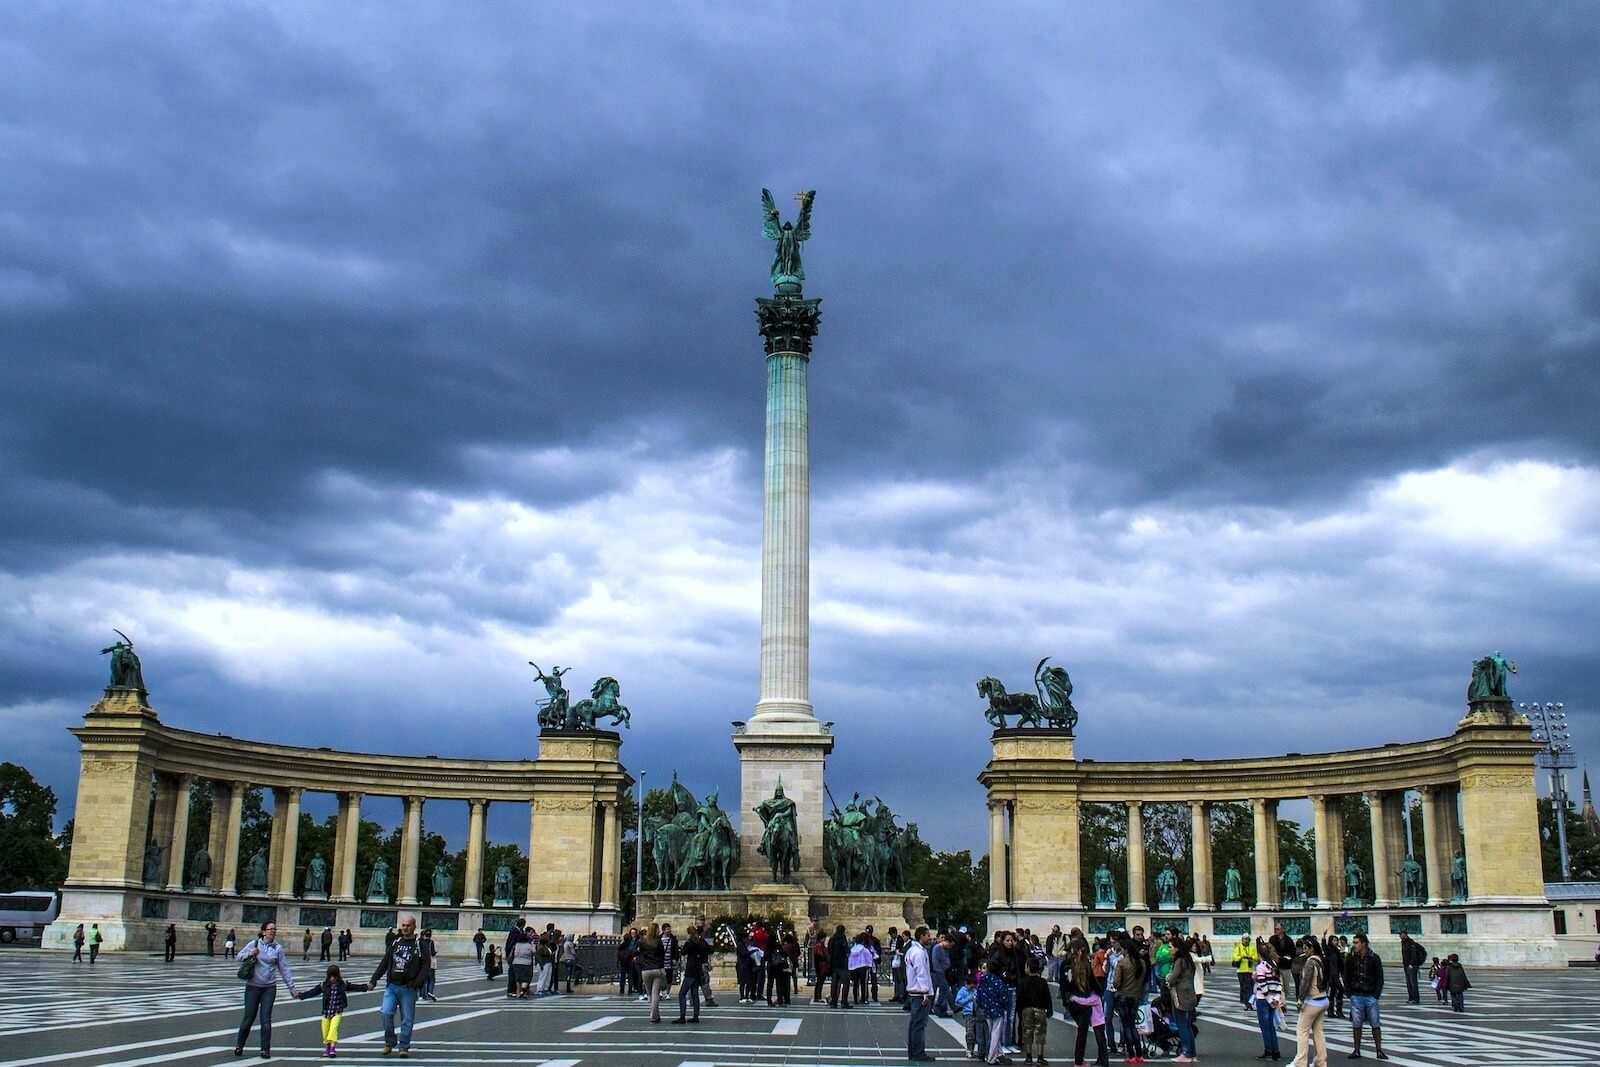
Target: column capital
[(353, 797), (478, 802), (417, 799)]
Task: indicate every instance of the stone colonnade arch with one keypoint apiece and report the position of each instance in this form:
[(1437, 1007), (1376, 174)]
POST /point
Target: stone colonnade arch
[(1479, 813), (572, 792)]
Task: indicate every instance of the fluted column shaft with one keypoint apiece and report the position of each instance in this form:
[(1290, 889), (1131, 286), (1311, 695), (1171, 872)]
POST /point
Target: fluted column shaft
[(228, 862), (472, 892), (1200, 850), (161, 815), (997, 856), (610, 870), (1385, 872), (344, 859), (410, 850), (1436, 843), (287, 804), (178, 835), (1136, 901), (280, 800), (786, 543), (1266, 848), (1325, 819)]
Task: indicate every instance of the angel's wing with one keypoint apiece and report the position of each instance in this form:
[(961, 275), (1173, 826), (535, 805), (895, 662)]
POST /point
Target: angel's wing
[(802, 226), (769, 216)]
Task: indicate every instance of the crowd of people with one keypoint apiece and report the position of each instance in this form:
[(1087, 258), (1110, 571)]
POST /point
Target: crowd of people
[(1134, 995)]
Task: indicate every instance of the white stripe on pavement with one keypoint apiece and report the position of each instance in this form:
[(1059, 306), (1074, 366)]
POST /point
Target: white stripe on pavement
[(594, 1024), (788, 1027)]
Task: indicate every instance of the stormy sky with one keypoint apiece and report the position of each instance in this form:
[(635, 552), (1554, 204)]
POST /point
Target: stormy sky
[(1242, 358)]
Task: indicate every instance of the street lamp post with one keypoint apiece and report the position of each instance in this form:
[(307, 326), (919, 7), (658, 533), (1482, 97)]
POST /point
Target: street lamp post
[(1556, 756), (638, 848)]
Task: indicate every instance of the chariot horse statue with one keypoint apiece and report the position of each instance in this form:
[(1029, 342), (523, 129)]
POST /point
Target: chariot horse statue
[(1052, 708)]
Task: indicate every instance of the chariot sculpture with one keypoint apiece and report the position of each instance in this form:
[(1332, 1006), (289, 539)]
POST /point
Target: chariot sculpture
[(1051, 709)]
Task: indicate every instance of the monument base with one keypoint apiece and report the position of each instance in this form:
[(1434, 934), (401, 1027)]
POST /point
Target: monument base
[(1099, 906), (439, 902), (313, 896), (1232, 905), (1294, 905), (791, 751), (854, 911), (379, 900), (502, 902), (1354, 902)]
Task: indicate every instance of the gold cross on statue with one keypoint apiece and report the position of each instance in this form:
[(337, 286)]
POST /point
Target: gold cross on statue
[(802, 196)]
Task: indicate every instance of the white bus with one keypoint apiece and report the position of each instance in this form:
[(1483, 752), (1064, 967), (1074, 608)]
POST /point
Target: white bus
[(25, 914)]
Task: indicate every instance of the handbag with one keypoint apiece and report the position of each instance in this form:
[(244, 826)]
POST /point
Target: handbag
[(247, 968)]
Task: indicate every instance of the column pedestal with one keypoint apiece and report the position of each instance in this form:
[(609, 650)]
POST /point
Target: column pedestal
[(796, 753)]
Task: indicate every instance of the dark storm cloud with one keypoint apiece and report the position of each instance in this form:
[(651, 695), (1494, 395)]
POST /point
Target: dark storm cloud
[(302, 309)]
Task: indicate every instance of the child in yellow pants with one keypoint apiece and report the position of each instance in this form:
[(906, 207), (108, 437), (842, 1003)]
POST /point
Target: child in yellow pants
[(335, 993)]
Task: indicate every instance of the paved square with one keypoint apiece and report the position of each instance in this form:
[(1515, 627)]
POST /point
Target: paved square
[(129, 1011)]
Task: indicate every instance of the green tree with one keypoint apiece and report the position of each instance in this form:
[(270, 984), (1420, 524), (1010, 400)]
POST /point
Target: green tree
[(1583, 844), (956, 888), (1103, 838), (30, 857), (1167, 833), (1233, 841)]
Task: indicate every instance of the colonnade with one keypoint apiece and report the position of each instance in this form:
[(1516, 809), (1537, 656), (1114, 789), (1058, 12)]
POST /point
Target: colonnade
[(1442, 838), (1477, 802), (572, 792), (169, 829)]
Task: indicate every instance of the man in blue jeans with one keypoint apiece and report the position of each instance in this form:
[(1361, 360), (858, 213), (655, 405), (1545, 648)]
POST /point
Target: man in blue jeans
[(404, 968), (919, 991)]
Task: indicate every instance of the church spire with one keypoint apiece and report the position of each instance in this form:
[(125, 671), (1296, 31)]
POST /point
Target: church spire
[(1589, 815)]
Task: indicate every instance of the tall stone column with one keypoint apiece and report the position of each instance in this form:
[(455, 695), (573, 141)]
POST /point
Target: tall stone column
[(345, 848), (1200, 849), (783, 742), (179, 834), (472, 892), (610, 857), (1324, 823), (161, 816), (534, 845), (217, 831), (1266, 848), (1136, 886), (410, 850), (228, 861), (280, 800), (1436, 844), (999, 896), (286, 802), (1385, 872)]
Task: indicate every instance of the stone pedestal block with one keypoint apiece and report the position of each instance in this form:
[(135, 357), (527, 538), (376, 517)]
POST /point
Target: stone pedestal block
[(796, 754)]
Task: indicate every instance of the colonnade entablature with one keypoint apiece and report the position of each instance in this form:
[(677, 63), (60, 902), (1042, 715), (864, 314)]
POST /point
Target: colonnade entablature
[(1479, 875), (132, 858)]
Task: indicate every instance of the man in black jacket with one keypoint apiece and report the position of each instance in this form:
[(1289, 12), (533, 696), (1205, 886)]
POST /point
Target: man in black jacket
[(404, 969), (1412, 957), (1363, 982), (838, 968)]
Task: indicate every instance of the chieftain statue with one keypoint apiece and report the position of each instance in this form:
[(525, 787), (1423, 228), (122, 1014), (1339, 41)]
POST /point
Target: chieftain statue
[(316, 875), (1052, 708), (126, 673), (502, 885), (787, 273), (1232, 885), (870, 853), (200, 869), (255, 873), (1489, 678), (1410, 880), (780, 841), (152, 862), (1458, 878), (557, 712), (1354, 879), (378, 884), (1294, 885), (442, 882), (697, 847), (1105, 888), (1167, 885)]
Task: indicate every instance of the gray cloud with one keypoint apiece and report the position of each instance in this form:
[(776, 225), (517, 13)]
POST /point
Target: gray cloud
[(409, 328)]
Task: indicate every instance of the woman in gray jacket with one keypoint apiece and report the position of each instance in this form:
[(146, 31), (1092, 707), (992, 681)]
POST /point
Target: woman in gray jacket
[(261, 988)]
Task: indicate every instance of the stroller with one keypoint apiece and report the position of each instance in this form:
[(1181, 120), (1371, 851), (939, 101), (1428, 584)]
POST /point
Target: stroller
[(1162, 1040)]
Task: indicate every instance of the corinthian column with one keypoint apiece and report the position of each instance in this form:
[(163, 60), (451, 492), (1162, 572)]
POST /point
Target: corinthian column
[(1200, 846), (1136, 886), (410, 850), (472, 892)]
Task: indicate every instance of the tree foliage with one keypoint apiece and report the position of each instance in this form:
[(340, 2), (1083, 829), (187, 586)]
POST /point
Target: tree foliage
[(30, 855), (1583, 844)]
